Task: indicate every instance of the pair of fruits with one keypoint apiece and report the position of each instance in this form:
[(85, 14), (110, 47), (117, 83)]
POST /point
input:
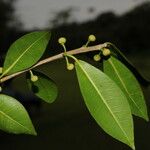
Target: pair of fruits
[(105, 52)]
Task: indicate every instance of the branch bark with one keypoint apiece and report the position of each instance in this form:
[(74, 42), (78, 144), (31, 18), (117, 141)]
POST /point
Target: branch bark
[(55, 57)]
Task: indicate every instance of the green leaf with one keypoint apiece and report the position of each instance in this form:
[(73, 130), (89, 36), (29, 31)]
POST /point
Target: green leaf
[(128, 84), (119, 55), (44, 87), (106, 102), (25, 52), (13, 117)]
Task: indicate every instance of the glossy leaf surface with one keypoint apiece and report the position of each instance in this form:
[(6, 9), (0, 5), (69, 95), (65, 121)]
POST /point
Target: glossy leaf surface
[(25, 52), (44, 88), (128, 84), (106, 102), (13, 117)]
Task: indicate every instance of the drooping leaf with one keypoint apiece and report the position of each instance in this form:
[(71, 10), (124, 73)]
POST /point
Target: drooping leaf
[(25, 52), (106, 102), (13, 117), (44, 87), (128, 84), (119, 55)]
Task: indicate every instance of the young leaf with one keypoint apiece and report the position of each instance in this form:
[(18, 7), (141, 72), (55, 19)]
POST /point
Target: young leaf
[(128, 84), (119, 55), (106, 102), (25, 52), (44, 87), (13, 116)]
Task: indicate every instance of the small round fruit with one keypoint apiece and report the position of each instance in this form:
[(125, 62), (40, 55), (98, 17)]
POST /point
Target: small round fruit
[(34, 78), (70, 66), (1, 70), (97, 57), (92, 38), (106, 52), (62, 40)]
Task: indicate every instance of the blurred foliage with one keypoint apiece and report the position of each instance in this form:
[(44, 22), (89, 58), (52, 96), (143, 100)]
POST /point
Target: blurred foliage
[(63, 17), (129, 31), (9, 24), (6, 13)]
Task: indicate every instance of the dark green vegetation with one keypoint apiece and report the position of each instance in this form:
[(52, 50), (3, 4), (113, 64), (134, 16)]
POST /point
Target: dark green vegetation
[(67, 123), (104, 33), (130, 31), (111, 95)]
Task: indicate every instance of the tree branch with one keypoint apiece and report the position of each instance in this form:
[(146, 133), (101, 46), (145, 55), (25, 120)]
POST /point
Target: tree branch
[(55, 57)]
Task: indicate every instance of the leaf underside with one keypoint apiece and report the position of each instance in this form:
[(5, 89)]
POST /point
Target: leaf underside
[(43, 88), (106, 102), (128, 84), (13, 117)]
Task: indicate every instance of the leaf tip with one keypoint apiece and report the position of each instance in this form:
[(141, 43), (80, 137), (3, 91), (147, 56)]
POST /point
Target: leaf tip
[(131, 144), (147, 118), (33, 132)]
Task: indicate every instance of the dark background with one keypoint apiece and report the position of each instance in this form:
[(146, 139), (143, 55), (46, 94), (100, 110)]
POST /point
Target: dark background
[(67, 124)]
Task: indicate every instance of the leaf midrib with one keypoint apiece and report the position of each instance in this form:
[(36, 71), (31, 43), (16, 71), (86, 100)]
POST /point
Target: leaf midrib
[(105, 103), (4, 114), (13, 64), (124, 86)]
